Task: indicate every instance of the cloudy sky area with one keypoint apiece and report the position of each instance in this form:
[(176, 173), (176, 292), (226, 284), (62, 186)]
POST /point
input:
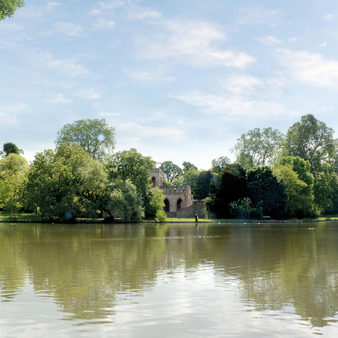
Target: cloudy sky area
[(179, 80)]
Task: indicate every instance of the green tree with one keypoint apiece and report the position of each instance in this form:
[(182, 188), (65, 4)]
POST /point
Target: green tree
[(296, 176), (190, 178), (229, 187), (311, 140), (218, 164), (202, 185), (171, 171), (187, 166), (8, 7), (94, 136), (11, 148), (13, 170), (258, 147), (132, 165), (266, 192)]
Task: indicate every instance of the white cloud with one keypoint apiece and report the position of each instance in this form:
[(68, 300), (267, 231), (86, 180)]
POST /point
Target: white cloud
[(242, 84), (90, 94), (292, 39), (7, 118), (258, 16), (310, 68), (69, 29), (190, 43), (108, 114), (328, 17), (8, 113), (138, 131), (323, 44), (149, 77), (59, 98), (232, 105), (143, 14), (68, 66), (102, 23), (269, 40)]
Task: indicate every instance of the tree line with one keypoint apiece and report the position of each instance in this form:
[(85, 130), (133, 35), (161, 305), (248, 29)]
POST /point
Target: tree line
[(281, 176)]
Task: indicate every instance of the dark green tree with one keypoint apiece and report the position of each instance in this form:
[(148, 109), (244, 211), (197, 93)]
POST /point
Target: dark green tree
[(11, 148), (187, 166), (202, 185), (265, 191), (8, 7), (95, 136), (231, 186)]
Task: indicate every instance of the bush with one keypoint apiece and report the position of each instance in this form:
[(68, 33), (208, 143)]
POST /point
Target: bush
[(160, 216)]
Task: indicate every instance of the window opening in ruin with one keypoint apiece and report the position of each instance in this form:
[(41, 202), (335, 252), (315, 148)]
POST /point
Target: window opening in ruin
[(179, 204), (166, 205), (153, 181)]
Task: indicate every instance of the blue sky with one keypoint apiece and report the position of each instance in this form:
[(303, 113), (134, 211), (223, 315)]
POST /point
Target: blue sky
[(179, 80)]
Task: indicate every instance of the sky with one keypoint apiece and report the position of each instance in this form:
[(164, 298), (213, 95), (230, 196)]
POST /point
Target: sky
[(179, 80)]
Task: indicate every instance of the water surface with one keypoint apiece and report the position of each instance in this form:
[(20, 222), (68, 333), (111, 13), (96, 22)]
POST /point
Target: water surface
[(220, 280)]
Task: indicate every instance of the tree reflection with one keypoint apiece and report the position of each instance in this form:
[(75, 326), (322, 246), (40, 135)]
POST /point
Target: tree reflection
[(86, 269)]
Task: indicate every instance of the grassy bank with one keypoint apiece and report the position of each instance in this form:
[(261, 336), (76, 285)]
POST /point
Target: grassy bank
[(35, 218)]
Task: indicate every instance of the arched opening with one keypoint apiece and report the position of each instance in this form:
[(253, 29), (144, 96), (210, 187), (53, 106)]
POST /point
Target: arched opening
[(179, 204), (153, 181), (166, 205)]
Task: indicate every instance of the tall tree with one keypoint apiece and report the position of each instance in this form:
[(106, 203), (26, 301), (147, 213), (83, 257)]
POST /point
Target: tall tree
[(218, 164), (258, 147), (8, 7), (94, 136), (187, 166), (171, 171), (311, 140)]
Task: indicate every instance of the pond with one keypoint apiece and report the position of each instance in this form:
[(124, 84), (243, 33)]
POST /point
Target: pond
[(169, 280)]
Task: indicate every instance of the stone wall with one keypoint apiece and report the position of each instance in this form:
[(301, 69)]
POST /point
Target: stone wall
[(178, 197), (198, 207), (156, 177)]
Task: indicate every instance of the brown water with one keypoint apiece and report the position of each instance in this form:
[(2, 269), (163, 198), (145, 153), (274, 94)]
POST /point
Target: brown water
[(169, 280)]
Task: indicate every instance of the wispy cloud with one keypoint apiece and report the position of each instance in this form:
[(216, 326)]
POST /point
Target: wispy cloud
[(91, 94), (69, 29), (257, 16), (8, 113), (190, 43), (136, 13), (269, 40), (162, 134), (58, 98), (232, 105), (328, 17), (68, 66), (310, 68), (149, 77)]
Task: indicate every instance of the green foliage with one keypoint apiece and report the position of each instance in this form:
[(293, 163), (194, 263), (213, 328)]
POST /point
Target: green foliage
[(187, 166), (13, 170), (311, 140), (266, 192), (202, 185), (171, 171), (156, 202), (8, 7), (160, 216), (130, 164), (94, 136), (190, 178), (258, 148), (219, 164), (231, 186), (11, 148), (243, 209), (295, 174)]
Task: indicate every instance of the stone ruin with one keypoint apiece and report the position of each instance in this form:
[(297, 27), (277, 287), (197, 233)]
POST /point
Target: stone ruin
[(179, 201)]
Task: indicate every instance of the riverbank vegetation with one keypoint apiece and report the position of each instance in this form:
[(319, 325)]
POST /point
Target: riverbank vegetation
[(275, 175)]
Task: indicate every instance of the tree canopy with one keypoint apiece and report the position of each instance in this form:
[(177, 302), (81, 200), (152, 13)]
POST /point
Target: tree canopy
[(11, 148), (94, 136), (218, 164), (8, 7), (171, 171), (258, 147)]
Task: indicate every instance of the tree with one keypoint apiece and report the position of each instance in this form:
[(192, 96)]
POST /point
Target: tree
[(219, 164), (94, 136), (187, 166), (295, 174), (132, 165), (266, 192), (67, 183), (171, 171), (202, 185), (311, 140), (8, 7), (258, 148), (229, 187), (13, 170), (11, 148)]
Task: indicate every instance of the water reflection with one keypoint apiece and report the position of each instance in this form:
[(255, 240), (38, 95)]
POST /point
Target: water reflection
[(87, 269)]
